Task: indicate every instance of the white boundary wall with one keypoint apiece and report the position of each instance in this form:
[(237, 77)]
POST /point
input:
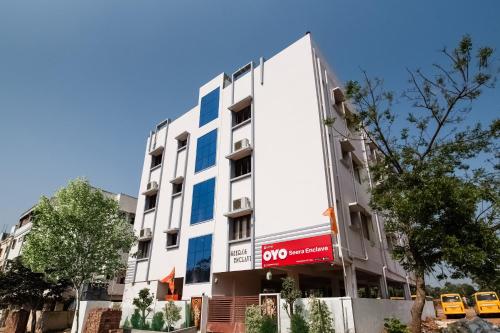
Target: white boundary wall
[(360, 315), (369, 313), (340, 307), (157, 306)]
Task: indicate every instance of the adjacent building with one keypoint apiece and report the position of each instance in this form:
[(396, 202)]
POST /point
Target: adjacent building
[(11, 247), (5, 243), (256, 182)]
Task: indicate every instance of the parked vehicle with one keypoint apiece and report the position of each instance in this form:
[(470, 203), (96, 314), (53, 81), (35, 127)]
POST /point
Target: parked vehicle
[(486, 303), (452, 305)]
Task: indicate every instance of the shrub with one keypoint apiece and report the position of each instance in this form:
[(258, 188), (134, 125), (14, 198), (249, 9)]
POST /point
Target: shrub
[(126, 323), (253, 319), (135, 319), (394, 325), (268, 325), (158, 322), (320, 317), (298, 324), (172, 314), (187, 322)]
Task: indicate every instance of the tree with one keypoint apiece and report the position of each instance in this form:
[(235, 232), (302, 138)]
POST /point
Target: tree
[(172, 314), (21, 287), (78, 235), (464, 289), (320, 317), (488, 283), (445, 212), (143, 303), (290, 293), (157, 322)]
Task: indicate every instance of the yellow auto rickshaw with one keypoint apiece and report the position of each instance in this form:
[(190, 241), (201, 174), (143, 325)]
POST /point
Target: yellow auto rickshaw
[(486, 303), (452, 305)]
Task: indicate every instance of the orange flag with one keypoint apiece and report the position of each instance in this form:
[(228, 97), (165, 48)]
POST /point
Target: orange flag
[(170, 280), (333, 221)]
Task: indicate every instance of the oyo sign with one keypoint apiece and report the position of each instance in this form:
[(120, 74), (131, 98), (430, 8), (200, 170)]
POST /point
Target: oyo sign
[(298, 251)]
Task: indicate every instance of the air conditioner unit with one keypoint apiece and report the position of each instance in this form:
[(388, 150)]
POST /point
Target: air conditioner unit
[(145, 234), (241, 203), (152, 186), (244, 143)]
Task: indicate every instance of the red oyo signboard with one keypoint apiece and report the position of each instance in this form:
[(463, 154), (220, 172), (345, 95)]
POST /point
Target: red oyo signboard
[(298, 252)]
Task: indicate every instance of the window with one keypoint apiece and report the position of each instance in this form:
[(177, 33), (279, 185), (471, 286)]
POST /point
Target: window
[(206, 147), (182, 143), (150, 202), (13, 244), (351, 121), (242, 71), (202, 208), (365, 224), (177, 188), (240, 227), (172, 238), (242, 167), (131, 218), (390, 242), (345, 154), (242, 115), (199, 259), (143, 249), (209, 107), (356, 169), (156, 160)]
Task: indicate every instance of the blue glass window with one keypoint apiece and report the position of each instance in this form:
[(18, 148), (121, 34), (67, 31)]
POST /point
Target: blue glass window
[(209, 107), (202, 207), (199, 259), (206, 147)]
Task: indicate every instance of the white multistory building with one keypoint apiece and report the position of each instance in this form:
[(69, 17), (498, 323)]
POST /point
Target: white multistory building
[(233, 193)]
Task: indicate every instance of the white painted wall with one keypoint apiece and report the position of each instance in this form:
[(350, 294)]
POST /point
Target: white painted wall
[(359, 315), (369, 313)]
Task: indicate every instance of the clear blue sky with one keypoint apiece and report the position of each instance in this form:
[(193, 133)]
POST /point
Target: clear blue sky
[(83, 82)]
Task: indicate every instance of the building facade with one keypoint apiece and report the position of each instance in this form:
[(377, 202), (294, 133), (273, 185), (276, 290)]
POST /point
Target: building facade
[(5, 244), (14, 242), (254, 184)]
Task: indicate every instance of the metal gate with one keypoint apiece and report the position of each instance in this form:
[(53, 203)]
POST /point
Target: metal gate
[(227, 313)]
